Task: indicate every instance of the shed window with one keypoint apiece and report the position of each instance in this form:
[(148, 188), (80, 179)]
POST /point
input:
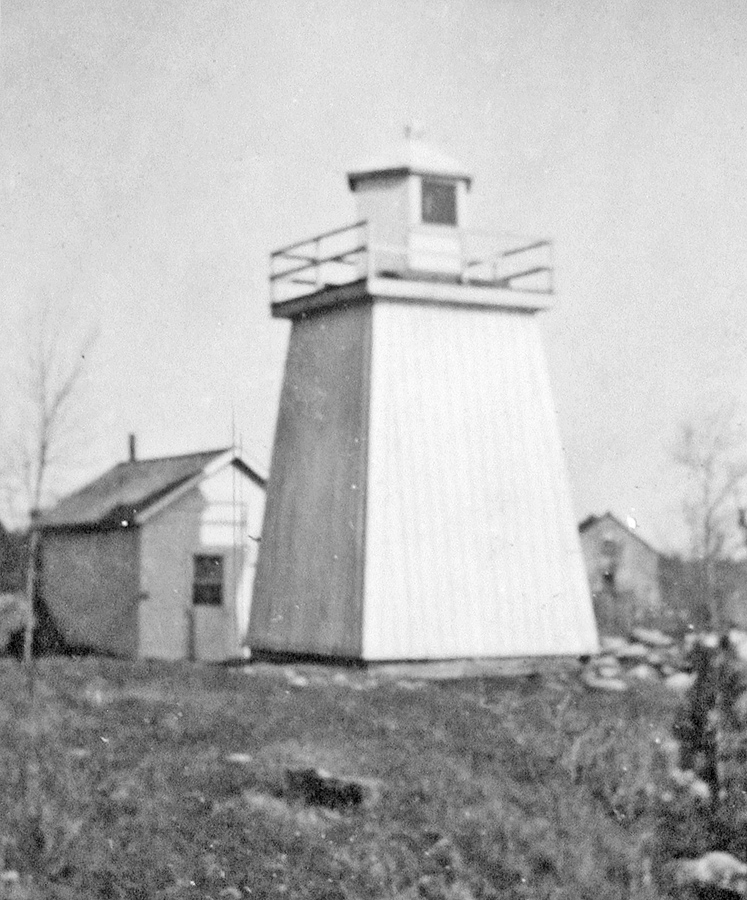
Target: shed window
[(207, 589), (439, 203)]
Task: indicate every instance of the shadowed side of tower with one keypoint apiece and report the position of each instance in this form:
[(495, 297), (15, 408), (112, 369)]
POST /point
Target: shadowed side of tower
[(310, 570)]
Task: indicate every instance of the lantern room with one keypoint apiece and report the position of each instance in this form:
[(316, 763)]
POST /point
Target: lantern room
[(414, 226)]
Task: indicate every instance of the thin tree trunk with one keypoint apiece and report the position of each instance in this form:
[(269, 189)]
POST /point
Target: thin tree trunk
[(31, 587)]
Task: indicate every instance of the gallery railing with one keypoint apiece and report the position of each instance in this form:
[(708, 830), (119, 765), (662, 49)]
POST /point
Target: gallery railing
[(506, 261)]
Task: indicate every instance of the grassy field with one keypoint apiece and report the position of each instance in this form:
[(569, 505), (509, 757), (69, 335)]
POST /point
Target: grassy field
[(169, 780)]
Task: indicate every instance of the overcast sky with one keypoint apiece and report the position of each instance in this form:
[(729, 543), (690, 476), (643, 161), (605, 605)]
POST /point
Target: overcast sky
[(153, 154)]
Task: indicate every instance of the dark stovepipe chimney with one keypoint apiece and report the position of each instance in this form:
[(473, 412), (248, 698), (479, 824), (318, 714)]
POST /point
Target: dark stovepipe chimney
[(133, 454)]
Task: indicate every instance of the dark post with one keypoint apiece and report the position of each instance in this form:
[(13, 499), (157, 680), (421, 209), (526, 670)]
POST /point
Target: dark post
[(32, 580)]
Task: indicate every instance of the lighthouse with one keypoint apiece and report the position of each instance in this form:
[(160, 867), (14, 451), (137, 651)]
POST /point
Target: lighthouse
[(418, 506)]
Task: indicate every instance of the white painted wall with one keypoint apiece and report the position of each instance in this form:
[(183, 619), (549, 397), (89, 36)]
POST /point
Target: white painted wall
[(471, 542), (386, 204), (222, 515)]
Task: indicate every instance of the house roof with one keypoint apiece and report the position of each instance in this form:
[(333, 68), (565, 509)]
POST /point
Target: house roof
[(130, 490), (587, 523)]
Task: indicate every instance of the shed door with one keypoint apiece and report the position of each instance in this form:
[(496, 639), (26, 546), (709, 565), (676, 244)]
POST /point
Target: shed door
[(211, 614)]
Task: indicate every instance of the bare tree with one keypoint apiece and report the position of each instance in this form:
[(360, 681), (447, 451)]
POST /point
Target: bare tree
[(711, 453), (46, 431)]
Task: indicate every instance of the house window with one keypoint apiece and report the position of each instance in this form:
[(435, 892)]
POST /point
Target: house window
[(439, 203), (207, 588), (611, 554)]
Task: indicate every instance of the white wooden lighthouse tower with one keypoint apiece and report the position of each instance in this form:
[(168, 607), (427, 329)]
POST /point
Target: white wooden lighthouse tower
[(418, 505)]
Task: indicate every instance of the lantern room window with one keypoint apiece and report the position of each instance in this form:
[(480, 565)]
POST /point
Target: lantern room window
[(207, 587), (439, 202)]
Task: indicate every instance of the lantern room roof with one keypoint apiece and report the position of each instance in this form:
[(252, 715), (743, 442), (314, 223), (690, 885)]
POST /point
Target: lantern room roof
[(411, 156)]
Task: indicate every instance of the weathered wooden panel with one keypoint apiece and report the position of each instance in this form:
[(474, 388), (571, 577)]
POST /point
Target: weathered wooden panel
[(307, 595), (472, 548), (90, 584)]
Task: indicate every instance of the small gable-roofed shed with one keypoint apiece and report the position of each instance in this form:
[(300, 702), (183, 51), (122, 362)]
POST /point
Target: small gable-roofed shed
[(156, 556)]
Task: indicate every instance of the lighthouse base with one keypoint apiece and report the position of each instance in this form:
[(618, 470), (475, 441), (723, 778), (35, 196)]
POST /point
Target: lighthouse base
[(418, 506)]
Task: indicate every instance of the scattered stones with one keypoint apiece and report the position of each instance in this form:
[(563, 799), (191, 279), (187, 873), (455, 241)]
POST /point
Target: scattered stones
[(657, 658), (599, 682), (651, 637), (681, 682), (242, 759), (611, 643), (704, 638), (649, 656), (686, 779), (719, 869), (296, 680), (96, 692), (79, 752), (608, 669), (644, 672), (632, 653)]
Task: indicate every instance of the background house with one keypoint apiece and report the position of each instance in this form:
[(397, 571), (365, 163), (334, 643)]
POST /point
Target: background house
[(156, 557), (624, 574)]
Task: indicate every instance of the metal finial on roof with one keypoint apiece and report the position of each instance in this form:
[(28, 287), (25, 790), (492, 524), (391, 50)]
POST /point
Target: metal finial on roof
[(414, 130)]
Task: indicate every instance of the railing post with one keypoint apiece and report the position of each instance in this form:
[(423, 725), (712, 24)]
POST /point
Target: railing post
[(370, 269)]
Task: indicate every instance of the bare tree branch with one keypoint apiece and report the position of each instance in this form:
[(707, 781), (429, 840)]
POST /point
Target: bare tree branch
[(711, 453), (49, 387)]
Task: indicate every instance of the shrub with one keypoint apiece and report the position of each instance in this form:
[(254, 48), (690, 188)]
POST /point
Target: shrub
[(704, 805)]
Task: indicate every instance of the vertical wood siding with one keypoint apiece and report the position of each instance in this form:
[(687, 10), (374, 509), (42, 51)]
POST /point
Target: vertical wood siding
[(472, 548), (307, 596)]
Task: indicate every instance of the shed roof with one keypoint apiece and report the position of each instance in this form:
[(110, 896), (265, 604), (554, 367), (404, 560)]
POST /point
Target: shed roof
[(410, 156), (130, 489)]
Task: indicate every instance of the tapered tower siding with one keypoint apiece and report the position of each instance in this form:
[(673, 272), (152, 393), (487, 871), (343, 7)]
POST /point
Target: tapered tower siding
[(308, 587), (471, 542)]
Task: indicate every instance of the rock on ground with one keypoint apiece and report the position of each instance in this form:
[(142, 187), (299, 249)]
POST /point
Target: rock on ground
[(651, 637), (717, 868)]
